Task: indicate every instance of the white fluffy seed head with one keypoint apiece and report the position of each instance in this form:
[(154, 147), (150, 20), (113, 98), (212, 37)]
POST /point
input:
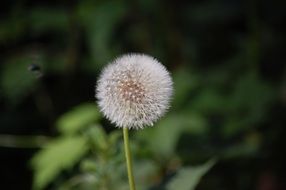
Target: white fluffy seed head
[(134, 91)]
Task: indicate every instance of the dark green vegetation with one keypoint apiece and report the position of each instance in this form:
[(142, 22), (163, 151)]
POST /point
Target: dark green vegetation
[(227, 121)]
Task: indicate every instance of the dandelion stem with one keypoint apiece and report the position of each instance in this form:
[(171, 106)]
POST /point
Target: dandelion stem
[(128, 159)]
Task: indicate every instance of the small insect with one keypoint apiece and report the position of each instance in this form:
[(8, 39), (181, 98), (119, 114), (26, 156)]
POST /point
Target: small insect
[(36, 69)]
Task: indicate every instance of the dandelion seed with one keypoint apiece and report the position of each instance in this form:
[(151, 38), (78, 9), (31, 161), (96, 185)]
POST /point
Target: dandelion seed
[(140, 95)]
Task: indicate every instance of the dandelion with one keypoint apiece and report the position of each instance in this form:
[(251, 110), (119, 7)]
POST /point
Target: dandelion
[(134, 91)]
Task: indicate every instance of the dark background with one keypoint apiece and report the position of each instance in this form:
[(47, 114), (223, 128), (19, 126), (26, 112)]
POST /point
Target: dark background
[(227, 58)]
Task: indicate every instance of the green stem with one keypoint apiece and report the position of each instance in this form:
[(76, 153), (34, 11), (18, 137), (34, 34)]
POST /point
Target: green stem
[(128, 159)]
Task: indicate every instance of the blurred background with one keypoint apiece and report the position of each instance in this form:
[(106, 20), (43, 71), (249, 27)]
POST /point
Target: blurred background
[(226, 127)]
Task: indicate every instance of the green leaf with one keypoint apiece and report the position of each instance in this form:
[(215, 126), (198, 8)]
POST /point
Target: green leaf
[(114, 137), (78, 118), (163, 138), (98, 137), (59, 155), (88, 165), (189, 177)]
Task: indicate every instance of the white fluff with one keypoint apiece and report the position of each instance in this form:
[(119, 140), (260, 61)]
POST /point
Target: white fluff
[(134, 91)]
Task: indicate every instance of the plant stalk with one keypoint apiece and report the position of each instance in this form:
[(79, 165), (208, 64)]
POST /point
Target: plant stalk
[(128, 159)]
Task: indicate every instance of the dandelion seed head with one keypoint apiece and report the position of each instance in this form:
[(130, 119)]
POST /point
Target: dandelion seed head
[(134, 91)]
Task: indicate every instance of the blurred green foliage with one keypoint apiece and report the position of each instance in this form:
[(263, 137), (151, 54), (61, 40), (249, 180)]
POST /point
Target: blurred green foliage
[(100, 156), (188, 178), (13, 76), (226, 126)]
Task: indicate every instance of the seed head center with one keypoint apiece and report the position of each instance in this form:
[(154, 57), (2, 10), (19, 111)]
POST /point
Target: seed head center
[(131, 90)]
